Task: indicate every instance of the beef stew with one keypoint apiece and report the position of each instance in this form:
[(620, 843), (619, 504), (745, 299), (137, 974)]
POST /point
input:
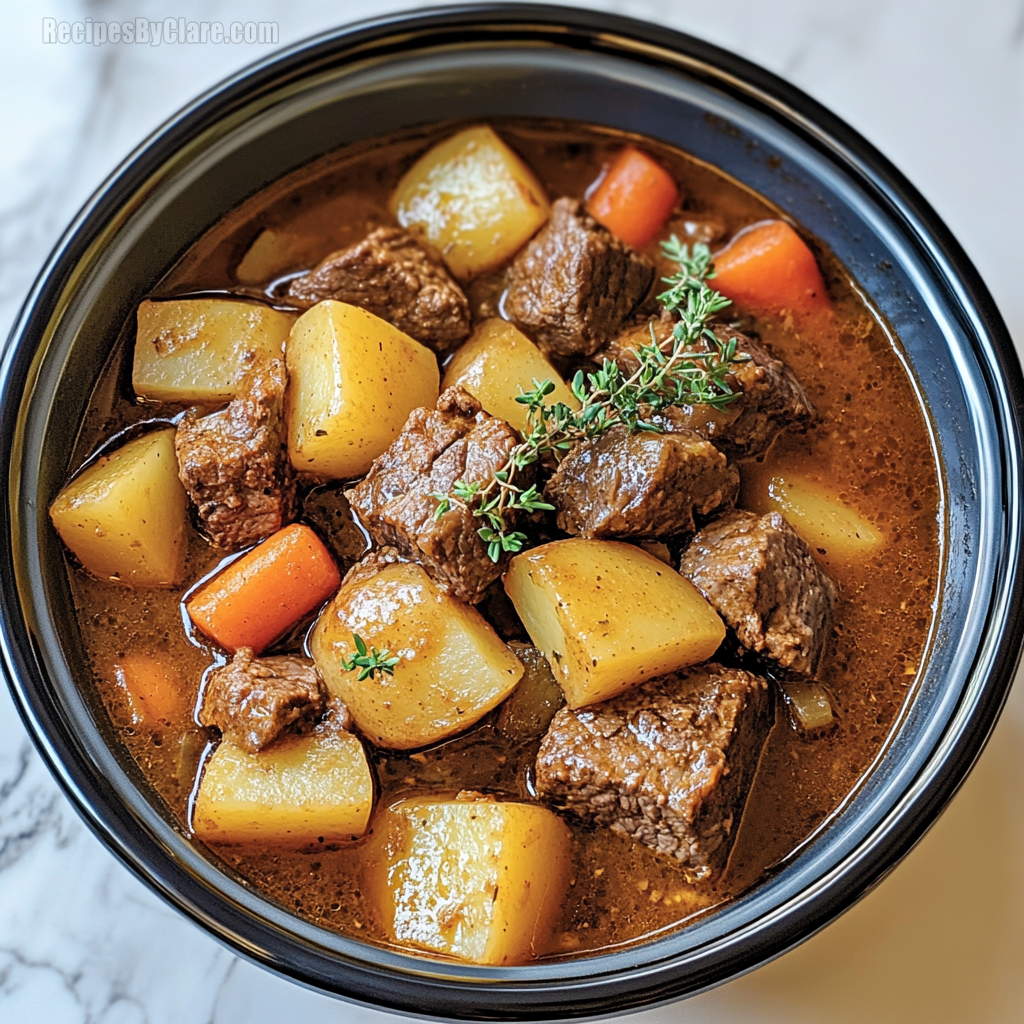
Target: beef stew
[(823, 428)]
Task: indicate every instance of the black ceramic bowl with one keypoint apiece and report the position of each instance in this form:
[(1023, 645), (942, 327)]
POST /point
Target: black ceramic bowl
[(481, 61)]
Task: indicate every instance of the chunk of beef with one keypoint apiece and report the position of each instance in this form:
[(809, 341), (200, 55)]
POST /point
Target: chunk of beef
[(641, 484), (234, 463), (691, 228), (575, 284), (761, 578), (770, 397), (391, 274), (635, 334), (254, 700), (457, 441), (668, 764), (327, 510)]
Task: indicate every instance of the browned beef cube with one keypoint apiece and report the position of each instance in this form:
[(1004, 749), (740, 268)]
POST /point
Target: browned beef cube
[(393, 276), (253, 700), (770, 397), (234, 463), (637, 333), (761, 578), (640, 484), (327, 510), (773, 400), (668, 764), (575, 284), (457, 441)]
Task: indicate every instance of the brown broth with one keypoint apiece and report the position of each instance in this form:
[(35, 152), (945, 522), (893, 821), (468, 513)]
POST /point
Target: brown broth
[(870, 444)]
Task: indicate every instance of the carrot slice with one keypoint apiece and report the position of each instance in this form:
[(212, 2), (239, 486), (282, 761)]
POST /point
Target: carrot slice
[(634, 198), (154, 690), (768, 268), (259, 597)]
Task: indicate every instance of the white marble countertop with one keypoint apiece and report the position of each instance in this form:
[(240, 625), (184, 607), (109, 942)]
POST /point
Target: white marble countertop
[(937, 85)]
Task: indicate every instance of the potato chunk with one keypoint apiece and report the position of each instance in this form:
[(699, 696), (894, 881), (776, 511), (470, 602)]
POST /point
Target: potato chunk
[(353, 379), (477, 880), (292, 793), (608, 615), (453, 668), (273, 252), (497, 364), (474, 199), (198, 350), (124, 516), (834, 532)]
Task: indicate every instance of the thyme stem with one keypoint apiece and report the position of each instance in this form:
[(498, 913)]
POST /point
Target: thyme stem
[(685, 375)]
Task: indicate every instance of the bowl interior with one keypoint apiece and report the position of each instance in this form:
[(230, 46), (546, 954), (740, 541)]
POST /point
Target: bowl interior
[(243, 140)]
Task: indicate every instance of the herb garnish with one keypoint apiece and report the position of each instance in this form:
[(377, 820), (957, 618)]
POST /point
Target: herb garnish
[(683, 375), (369, 661)]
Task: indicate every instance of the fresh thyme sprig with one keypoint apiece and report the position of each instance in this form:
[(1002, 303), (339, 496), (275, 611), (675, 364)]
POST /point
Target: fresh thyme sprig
[(683, 375), (369, 661)]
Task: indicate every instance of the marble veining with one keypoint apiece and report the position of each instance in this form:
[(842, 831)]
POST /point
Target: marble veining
[(939, 86)]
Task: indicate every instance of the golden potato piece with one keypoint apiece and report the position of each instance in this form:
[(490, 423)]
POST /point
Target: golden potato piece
[(474, 199), (478, 880), (198, 350), (834, 532), (353, 379), (297, 790), (124, 516), (452, 666), (497, 364), (272, 252), (608, 615)]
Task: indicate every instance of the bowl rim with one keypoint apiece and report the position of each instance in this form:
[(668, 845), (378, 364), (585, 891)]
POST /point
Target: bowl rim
[(424, 993)]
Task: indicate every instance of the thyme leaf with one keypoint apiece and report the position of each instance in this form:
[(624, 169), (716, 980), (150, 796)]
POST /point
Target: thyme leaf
[(369, 661)]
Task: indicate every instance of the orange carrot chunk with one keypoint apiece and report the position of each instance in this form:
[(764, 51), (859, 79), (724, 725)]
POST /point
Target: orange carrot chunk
[(634, 198), (154, 690), (768, 268), (267, 591)]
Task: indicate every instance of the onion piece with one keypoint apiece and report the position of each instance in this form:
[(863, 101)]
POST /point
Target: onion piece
[(810, 707)]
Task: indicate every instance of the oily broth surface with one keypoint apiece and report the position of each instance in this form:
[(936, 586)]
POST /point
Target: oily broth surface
[(870, 445)]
